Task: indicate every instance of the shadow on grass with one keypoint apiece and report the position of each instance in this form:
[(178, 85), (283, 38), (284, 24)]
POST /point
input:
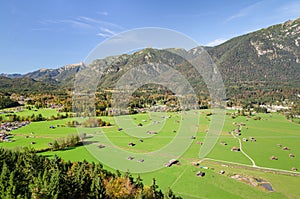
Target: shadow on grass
[(89, 142), (68, 147), (48, 156)]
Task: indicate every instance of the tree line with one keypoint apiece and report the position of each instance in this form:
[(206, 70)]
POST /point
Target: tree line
[(6, 102), (89, 123), (32, 118), (28, 175)]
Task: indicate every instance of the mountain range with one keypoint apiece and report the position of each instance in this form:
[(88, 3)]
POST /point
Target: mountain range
[(269, 58)]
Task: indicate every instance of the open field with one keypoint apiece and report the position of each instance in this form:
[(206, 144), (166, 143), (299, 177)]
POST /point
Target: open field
[(46, 112), (268, 132)]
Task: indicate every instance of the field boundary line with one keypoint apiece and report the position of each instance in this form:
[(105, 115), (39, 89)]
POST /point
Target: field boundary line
[(257, 167)]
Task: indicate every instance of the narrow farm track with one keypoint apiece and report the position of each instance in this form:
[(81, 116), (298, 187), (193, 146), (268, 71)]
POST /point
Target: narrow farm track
[(178, 177), (242, 151), (257, 167)]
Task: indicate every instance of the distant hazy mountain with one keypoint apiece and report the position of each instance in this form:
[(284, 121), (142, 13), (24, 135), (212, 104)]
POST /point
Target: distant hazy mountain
[(15, 75), (63, 74)]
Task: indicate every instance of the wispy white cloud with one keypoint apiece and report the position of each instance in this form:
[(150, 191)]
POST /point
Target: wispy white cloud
[(241, 13), (106, 30), (103, 35), (244, 12), (76, 24), (47, 21), (216, 42), (102, 28), (266, 12), (219, 41), (97, 21), (290, 9)]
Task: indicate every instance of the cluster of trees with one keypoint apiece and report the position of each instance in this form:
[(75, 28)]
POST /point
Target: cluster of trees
[(6, 102), (242, 112), (15, 118), (251, 94), (47, 100), (36, 100), (72, 123), (103, 102), (95, 122), (28, 175), (294, 113), (143, 98), (70, 141), (32, 118), (90, 123), (260, 109)]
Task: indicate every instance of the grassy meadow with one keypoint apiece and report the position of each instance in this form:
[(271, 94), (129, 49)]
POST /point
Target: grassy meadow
[(270, 131)]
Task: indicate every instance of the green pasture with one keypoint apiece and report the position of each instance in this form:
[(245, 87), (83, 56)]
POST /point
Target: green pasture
[(40, 133), (45, 112), (271, 130)]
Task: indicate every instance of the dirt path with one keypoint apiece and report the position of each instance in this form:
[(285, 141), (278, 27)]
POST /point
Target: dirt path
[(256, 167), (242, 151)]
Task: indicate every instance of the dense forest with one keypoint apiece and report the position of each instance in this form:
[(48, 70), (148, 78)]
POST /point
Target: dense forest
[(7, 102), (28, 175)]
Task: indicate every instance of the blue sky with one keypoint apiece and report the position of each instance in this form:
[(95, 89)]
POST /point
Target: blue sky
[(52, 33)]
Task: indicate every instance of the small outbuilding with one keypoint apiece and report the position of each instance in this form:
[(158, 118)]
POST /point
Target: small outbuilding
[(171, 162), (223, 143), (236, 149), (130, 158), (285, 148), (273, 157), (131, 144), (151, 132), (200, 174), (238, 133)]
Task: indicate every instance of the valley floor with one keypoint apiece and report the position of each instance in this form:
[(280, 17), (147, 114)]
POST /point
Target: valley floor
[(240, 165)]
